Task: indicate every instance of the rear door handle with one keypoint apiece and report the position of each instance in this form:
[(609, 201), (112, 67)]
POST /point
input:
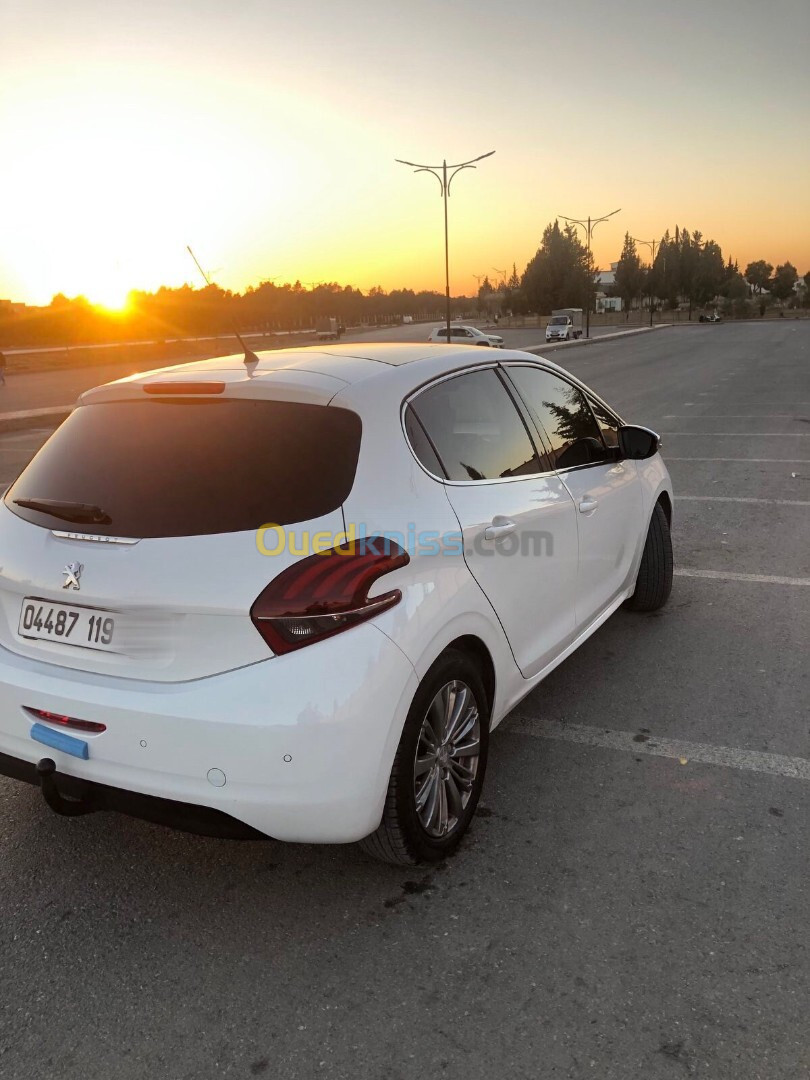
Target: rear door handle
[(500, 527), (587, 503)]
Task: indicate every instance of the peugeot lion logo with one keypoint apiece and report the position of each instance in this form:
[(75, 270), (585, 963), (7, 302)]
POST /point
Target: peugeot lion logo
[(72, 572)]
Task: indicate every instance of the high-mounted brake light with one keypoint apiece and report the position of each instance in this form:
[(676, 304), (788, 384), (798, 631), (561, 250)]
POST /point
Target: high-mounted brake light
[(170, 388), (327, 593)]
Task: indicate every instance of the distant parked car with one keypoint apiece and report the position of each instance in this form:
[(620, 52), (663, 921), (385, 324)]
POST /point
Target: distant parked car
[(715, 316), (466, 335)]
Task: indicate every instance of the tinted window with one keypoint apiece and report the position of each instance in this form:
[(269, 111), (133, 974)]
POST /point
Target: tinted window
[(476, 429), (608, 424), (421, 444), (184, 468), (563, 415)]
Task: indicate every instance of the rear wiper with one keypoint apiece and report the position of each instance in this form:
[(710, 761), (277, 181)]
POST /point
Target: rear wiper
[(80, 513)]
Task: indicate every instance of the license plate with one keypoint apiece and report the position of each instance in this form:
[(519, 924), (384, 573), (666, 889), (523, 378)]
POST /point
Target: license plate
[(87, 628)]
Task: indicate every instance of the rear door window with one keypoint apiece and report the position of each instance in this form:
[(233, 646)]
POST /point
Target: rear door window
[(420, 444), (186, 468), (476, 429)]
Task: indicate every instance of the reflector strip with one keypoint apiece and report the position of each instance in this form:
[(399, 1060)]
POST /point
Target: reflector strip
[(60, 741)]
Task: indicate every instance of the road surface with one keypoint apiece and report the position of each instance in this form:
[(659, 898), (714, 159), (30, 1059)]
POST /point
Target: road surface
[(632, 901)]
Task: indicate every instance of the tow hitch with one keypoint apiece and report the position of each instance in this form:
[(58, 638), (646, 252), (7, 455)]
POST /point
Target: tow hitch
[(50, 792)]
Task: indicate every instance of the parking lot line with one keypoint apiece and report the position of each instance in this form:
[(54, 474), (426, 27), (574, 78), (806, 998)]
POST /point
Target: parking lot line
[(730, 416), (747, 434), (747, 460), (726, 575), (734, 499), (636, 743)]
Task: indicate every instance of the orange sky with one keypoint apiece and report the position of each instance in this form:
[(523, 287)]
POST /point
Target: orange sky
[(265, 136)]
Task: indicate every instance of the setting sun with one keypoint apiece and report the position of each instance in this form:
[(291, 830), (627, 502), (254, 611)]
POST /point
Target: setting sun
[(111, 297)]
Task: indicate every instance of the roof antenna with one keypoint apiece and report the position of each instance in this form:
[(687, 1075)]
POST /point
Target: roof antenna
[(250, 356)]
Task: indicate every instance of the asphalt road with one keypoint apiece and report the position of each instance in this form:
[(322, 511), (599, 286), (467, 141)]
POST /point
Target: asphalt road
[(632, 901)]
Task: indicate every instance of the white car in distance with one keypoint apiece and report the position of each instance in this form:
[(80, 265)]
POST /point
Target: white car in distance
[(466, 335), (292, 597)]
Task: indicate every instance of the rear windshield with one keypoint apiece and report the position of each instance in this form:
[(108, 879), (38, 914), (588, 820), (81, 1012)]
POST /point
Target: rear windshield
[(186, 468)]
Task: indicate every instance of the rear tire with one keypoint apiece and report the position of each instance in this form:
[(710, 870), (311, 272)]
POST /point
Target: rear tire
[(416, 826), (654, 581)]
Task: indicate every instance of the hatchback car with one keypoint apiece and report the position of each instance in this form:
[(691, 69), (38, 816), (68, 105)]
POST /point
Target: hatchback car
[(466, 335), (292, 597)]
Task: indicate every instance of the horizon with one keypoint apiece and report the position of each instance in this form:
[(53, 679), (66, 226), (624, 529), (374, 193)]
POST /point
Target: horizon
[(136, 134)]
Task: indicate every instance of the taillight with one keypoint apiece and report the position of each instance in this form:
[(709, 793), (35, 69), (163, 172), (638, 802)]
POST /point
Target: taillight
[(327, 593)]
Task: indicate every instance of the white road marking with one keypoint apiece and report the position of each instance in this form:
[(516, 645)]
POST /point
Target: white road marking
[(723, 575), (746, 434), (730, 416), (747, 460), (734, 499), (680, 750)]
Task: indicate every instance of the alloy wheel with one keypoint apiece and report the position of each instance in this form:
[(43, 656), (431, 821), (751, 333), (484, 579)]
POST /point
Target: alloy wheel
[(446, 762)]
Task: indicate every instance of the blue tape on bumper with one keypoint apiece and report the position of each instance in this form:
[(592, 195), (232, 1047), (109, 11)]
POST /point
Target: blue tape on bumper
[(60, 741)]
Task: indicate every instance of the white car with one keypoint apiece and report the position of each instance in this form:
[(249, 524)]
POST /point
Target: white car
[(466, 335), (292, 597)]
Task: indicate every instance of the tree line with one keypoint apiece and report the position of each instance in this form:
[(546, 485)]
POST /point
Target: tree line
[(687, 268), (189, 312)]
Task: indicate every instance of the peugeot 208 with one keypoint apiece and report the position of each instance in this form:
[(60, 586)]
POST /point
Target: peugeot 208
[(292, 597)]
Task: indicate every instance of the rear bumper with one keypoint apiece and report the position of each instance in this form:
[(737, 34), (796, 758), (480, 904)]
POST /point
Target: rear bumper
[(297, 747), (178, 815)]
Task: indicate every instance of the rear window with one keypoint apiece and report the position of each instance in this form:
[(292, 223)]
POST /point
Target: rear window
[(187, 468)]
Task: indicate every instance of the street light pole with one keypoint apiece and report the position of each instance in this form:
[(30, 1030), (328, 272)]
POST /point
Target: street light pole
[(444, 173), (652, 245), (589, 224)]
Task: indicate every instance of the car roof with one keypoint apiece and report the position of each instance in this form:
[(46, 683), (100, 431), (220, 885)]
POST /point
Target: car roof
[(315, 375)]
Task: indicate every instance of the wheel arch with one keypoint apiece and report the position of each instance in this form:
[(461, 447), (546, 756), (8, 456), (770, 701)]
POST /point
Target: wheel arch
[(475, 648), (666, 505)]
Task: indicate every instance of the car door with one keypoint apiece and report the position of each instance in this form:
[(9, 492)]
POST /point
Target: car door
[(517, 517), (606, 490)]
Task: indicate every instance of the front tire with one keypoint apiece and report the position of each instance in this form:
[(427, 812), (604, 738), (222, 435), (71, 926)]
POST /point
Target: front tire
[(439, 766), (654, 581)]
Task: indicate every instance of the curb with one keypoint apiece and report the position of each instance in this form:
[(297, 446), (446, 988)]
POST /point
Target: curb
[(26, 418), (579, 342)]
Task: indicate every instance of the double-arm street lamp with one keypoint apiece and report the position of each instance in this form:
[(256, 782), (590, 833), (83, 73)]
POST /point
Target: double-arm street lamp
[(652, 245), (444, 173), (588, 224)]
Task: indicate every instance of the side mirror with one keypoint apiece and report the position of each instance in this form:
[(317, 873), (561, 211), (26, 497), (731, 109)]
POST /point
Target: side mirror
[(638, 443)]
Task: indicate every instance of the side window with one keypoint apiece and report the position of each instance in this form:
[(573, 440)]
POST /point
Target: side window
[(476, 428), (563, 415), (608, 424), (421, 444)]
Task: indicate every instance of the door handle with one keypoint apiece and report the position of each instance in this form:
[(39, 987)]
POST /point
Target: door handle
[(587, 503), (500, 527)]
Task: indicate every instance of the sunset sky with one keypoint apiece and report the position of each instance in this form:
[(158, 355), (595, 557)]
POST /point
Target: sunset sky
[(264, 132)]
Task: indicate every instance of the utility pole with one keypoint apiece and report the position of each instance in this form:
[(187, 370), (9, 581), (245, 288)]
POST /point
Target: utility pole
[(588, 224), (444, 173), (652, 245)]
